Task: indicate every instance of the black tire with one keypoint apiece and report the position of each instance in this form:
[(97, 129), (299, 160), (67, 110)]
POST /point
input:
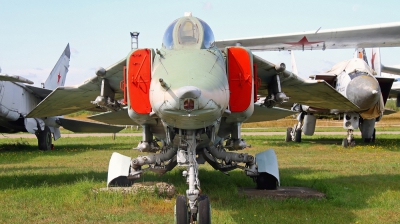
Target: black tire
[(266, 181), (345, 143), (297, 136), (121, 182), (373, 136), (372, 139), (181, 210), (45, 139), (204, 213), (352, 143), (288, 135)]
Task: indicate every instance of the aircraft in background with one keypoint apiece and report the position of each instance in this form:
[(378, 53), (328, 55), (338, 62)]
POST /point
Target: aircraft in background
[(361, 85), (193, 95), (18, 99)]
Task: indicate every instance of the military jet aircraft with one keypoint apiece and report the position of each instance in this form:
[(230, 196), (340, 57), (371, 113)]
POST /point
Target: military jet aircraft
[(358, 83), (17, 100), (361, 84), (192, 96)]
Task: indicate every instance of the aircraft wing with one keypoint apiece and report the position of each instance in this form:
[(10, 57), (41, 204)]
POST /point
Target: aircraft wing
[(391, 70), (65, 100), (314, 93), (39, 92), (262, 113), (117, 118), (388, 111), (394, 92), (14, 78), (380, 35), (87, 127)]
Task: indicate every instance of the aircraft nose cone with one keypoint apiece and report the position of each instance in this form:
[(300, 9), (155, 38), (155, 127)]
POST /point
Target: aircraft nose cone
[(188, 92), (363, 90)]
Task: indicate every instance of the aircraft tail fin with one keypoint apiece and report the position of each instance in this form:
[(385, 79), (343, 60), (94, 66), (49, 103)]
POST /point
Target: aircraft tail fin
[(376, 61), (377, 65), (59, 73), (294, 65), (360, 53)]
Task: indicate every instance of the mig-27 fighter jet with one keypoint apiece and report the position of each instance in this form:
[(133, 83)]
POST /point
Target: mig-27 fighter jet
[(192, 96)]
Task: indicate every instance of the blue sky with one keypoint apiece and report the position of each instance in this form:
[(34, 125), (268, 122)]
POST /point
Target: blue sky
[(34, 33)]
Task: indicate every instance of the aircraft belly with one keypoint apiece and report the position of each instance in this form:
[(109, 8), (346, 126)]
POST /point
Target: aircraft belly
[(7, 126), (193, 120)]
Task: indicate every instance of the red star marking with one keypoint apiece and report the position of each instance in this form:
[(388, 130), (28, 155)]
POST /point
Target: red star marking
[(373, 61), (59, 77), (303, 42)]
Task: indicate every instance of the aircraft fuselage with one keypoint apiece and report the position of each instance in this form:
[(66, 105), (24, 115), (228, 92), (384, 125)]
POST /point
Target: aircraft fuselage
[(195, 92), (360, 88), (15, 102)]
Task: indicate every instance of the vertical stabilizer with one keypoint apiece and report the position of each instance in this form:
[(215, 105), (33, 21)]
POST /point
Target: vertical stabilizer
[(376, 61), (294, 65), (59, 72), (360, 53)]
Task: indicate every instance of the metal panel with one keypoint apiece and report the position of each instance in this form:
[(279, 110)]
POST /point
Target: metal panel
[(138, 80), (240, 75)]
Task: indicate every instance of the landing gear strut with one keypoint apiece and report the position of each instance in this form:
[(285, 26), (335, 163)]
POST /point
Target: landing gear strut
[(294, 134), (349, 141)]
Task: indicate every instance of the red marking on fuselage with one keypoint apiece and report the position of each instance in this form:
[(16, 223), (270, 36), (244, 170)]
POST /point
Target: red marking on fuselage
[(59, 77)]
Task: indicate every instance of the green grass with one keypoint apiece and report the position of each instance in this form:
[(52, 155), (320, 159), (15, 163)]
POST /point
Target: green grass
[(361, 183)]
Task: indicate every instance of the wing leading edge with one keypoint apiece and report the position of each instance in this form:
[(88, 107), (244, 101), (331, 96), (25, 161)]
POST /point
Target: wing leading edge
[(314, 93), (380, 35)]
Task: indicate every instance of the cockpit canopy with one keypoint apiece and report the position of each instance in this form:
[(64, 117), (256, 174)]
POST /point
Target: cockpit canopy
[(188, 32)]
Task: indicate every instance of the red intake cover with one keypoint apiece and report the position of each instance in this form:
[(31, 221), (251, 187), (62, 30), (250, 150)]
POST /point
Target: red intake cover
[(240, 79), (138, 81)]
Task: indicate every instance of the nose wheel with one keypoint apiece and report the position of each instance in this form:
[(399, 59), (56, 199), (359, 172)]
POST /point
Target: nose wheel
[(204, 213), (183, 216), (349, 141), (181, 210)]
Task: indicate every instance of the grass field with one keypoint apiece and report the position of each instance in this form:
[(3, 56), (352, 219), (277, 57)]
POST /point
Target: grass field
[(362, 184)]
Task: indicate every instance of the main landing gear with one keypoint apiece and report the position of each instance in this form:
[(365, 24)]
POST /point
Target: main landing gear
[(293, 134), (372, 139), (44, 139)]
